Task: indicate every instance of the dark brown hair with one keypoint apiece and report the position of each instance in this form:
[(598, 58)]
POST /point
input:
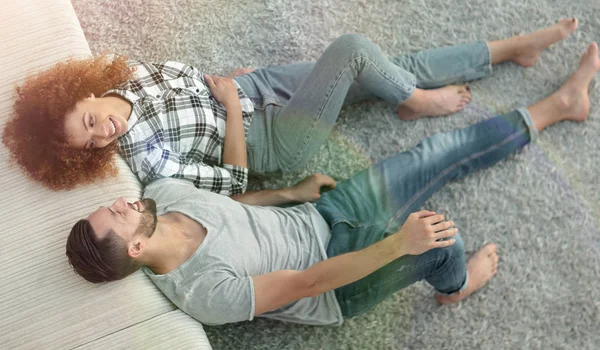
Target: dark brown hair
[(36, 137), (98, 260)]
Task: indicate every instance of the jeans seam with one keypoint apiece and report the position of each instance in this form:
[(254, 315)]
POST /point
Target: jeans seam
[(488, 64), (450, 168), (351, 222)]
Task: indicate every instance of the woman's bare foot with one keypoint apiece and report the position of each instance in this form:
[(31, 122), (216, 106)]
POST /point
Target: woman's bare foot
[(571, 101), (525, 49), (436, 102), (482, 266), (534, 43)]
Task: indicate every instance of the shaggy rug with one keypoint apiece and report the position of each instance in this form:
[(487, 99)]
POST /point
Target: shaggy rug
[(541, 206)]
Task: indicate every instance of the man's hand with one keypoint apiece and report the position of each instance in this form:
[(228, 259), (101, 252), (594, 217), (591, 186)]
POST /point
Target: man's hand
[(240, 71), (309, 189), (423, 230), (223, 89)]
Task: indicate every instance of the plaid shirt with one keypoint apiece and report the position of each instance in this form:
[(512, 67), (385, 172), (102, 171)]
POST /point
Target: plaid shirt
[(177, 128)]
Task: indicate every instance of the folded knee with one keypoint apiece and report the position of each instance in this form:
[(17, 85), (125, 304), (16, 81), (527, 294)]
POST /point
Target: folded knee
[(354, 43), (457, 250)]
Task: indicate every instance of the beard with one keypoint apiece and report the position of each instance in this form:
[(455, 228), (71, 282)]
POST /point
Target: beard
[(149, 219)]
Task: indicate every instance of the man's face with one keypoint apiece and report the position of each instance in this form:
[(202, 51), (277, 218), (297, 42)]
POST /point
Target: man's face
[(94, 123), (127, 220)]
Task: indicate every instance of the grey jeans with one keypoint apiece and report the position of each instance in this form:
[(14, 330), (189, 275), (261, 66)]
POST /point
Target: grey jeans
[(296, 105)]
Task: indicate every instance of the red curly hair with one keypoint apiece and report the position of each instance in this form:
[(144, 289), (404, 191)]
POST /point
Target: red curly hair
[(36, 137)]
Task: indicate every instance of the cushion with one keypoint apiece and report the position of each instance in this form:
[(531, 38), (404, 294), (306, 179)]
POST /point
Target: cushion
[(44, 304)]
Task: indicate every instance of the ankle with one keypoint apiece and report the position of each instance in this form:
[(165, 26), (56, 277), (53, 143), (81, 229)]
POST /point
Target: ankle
[(505, 50), (416, 100), (548, 111)]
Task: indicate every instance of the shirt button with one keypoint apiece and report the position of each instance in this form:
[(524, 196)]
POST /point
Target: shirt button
[(197, 90)]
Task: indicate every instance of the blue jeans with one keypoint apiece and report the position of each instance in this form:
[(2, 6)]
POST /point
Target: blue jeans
[(297, 105), (376, 202)]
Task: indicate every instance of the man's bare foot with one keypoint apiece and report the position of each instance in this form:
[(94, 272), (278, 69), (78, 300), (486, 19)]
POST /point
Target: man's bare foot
[(573, 95), (571, 101), (529, 47), (436, 102), (482, 266)]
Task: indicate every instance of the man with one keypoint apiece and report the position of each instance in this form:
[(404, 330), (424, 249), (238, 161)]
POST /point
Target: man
[(224, 261)]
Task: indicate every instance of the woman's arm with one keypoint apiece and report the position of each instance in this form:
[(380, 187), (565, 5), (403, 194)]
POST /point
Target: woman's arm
[(234, 144), (225, 91)]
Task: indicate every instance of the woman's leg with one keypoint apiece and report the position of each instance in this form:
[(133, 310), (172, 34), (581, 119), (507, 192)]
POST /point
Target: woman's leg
[(434, 69), (306, 120), (353, 68)]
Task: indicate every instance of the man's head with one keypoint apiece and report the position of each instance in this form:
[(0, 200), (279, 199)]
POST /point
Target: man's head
[(37, 135), (109, 244)]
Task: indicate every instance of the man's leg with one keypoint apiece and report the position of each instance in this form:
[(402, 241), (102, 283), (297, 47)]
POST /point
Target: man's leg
[(376, 202), (443, 268), (400, 185)]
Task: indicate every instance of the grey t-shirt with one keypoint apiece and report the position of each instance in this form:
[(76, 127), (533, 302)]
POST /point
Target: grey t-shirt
[(214, 285)]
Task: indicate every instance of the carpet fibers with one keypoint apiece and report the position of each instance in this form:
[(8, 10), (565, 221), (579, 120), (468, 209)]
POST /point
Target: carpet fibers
[(541, 206)]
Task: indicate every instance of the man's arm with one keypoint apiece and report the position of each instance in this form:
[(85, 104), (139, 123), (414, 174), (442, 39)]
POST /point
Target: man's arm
[(307, 190), (420, 232)]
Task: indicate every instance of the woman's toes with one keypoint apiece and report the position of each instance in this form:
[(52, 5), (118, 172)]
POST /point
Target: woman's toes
[(464, 89), (465, 97), (490, 248)]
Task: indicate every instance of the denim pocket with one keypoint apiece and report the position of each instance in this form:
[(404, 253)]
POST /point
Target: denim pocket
[(261, 103), (345, 220)]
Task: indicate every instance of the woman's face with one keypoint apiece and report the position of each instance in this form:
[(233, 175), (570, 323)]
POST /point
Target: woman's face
[(95, 122)]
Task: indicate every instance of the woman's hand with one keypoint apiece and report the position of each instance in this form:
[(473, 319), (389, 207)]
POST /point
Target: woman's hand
[(424, 230), (223, 89), (309, 189)]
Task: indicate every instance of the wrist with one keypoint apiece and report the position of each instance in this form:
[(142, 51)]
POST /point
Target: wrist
[(398, 244), (232, 104), (289, 194)]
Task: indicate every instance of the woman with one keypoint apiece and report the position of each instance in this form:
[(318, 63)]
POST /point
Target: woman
[(170, 120)]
